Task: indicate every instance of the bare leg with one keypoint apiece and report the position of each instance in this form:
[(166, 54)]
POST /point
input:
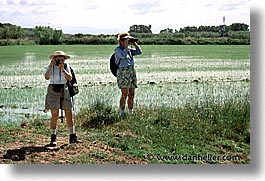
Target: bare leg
[(69, 117), (53, 124), (70, 123), (55, 115), (131, 98), (124, 94)]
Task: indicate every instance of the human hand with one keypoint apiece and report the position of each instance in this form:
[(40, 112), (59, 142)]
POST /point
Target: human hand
[(61, 66), (52, 62), (135, 43)]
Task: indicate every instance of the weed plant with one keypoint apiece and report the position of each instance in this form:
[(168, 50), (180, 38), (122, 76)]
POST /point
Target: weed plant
[(207, 128)]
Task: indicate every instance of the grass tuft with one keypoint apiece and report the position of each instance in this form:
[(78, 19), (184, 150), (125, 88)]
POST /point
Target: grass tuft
[(96, 116)]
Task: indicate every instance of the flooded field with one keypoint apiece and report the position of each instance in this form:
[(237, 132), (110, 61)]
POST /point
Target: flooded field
[(169, 76)]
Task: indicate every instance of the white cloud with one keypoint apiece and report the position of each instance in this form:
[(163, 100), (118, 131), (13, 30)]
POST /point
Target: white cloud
[(105, 16)]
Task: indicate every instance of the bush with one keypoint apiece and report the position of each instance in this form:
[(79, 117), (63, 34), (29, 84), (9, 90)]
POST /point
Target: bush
[(98, 115)]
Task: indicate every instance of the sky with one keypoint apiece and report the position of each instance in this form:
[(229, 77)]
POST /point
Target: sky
[(114, 16)]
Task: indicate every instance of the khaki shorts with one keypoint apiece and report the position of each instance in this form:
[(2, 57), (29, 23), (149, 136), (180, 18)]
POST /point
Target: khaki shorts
[(126, 77), (53, 99)]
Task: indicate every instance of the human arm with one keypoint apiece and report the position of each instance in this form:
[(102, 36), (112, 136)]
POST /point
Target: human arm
[(66, 72), (49, 70), (137, 50)]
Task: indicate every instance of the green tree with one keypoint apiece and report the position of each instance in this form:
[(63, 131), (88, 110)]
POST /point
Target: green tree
[(239, 27), (45, 35), (56, 37), (9, 31), (140, 29), (168, 30)]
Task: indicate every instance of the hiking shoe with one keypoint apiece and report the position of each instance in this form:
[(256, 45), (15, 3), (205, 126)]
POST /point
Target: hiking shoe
[(123, 115), (53, 142), (130, 111), (73, 139)]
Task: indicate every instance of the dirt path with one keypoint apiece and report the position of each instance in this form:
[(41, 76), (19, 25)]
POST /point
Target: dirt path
[(34, 151)]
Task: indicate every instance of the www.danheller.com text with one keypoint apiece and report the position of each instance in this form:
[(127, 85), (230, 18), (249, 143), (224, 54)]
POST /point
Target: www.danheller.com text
[(197, 157)]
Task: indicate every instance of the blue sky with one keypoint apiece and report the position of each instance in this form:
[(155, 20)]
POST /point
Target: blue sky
[(112, 16)]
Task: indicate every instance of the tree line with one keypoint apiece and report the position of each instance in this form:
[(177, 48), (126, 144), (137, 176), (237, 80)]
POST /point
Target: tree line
[(236, 33)]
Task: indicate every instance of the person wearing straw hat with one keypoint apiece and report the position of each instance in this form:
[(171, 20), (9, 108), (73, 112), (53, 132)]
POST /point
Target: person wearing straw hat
[(58, 96), (126, 74)]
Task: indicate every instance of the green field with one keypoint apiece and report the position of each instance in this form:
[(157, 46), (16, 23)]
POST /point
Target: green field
[(167, 75), (196, 92)]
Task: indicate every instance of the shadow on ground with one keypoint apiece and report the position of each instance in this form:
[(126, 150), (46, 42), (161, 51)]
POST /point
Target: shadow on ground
[(19, 154)]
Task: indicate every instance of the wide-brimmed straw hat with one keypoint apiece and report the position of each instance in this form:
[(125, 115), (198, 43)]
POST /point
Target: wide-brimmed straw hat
[(59, 53)]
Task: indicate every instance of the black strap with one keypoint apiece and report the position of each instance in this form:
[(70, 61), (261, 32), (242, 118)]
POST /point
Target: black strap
[(119, 62), (61, 104)]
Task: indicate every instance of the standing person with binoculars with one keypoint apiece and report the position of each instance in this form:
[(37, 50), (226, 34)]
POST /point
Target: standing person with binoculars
[(126, 74), (58, 96)]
